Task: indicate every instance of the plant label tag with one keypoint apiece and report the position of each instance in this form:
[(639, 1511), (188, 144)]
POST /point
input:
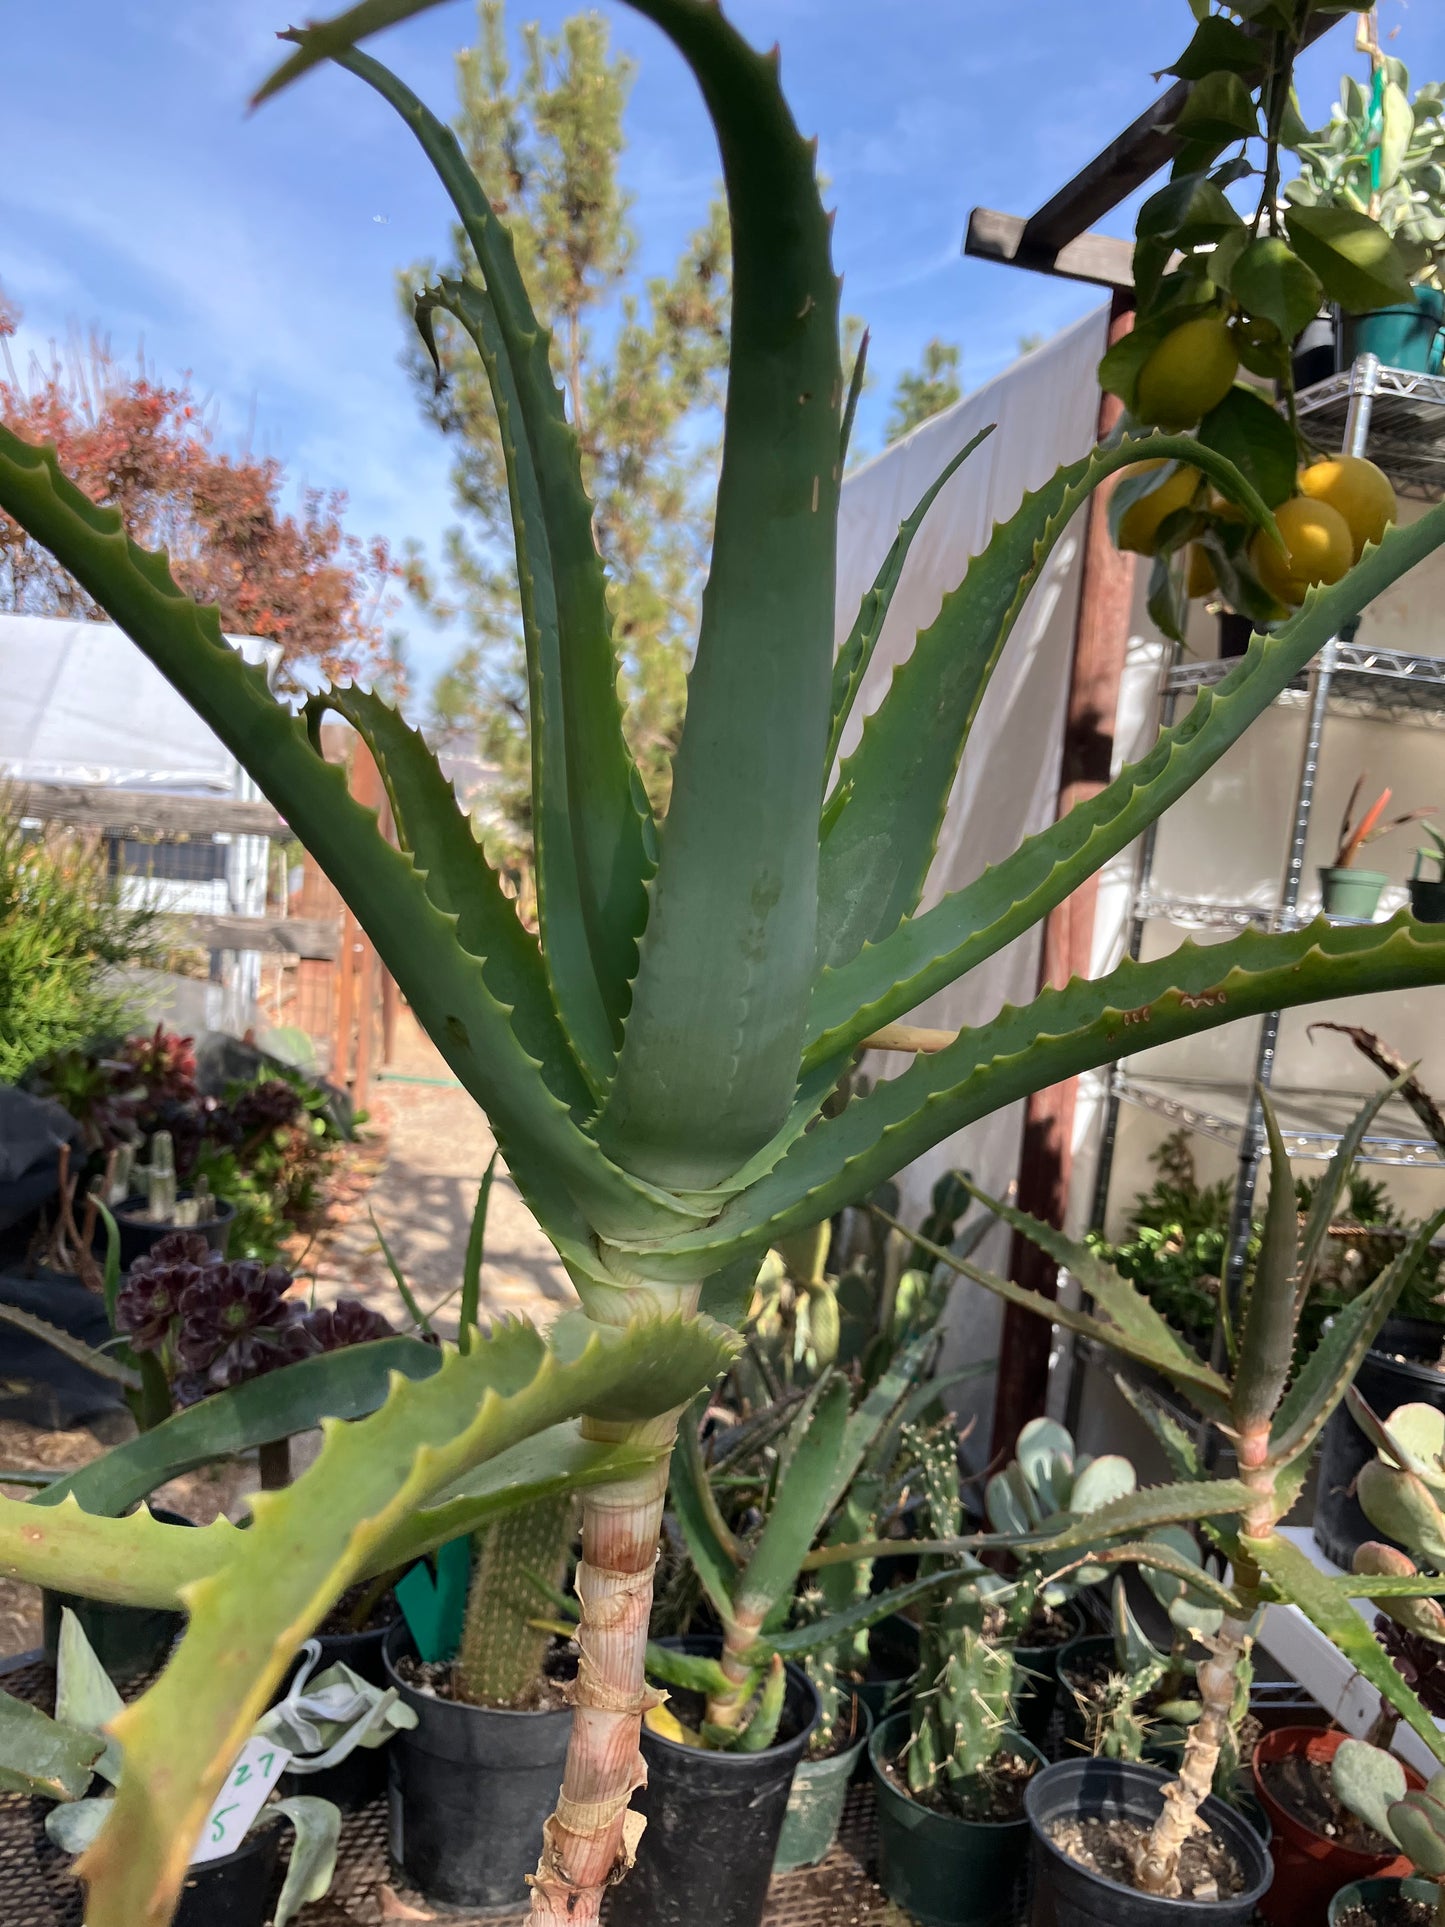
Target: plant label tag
[(258, 1767)]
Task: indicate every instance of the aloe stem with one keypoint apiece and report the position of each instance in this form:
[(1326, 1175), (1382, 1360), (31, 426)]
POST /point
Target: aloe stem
[(591, 1837)]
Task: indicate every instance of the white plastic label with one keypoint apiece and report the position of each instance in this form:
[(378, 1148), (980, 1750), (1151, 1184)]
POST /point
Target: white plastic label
[(259, 1766)]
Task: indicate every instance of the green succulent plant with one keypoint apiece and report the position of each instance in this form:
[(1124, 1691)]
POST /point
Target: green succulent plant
[(656, 1063), (1372, 1784), (1270, 1409)]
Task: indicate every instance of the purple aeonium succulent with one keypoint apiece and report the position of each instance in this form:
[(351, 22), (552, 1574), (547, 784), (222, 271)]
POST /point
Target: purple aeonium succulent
[(1419, 1660), (232, 1306), (149, 1301), (347, 1322)]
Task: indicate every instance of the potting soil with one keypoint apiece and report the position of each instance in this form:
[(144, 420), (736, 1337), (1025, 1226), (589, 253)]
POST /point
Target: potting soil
[(995, 1795), (548, 1694), (1396, 1911), (1306, 1792), (1207, 1869)]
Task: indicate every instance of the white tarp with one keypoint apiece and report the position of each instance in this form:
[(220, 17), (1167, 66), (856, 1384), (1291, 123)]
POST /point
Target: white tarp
[(79, 703), (1046, 410)]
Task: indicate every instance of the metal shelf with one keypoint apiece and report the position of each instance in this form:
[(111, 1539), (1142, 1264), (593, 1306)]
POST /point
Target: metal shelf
[(1311, 1121), (1389, 684), (1199, 913), (1407, 422)]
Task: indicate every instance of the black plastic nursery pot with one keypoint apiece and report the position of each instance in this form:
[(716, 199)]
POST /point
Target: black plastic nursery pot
[(127, 1640), (892, 1665), (940, 1869), (237, 1890), (1427, 899), (469, 1788), (1067, 1894), (361, 1777), (1399, 1370), (815, 1802), (1234, 634), (713, 1819), (139, 1235), (1037, 1679), (1376, 1897)]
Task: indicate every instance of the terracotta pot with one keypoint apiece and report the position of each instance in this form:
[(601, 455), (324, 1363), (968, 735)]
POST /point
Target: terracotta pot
[(1310, 1869)]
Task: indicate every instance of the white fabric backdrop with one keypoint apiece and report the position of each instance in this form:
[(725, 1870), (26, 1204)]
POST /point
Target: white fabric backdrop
[(1046, 410)]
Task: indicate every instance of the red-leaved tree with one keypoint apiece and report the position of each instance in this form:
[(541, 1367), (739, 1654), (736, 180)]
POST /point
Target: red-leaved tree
[(146, 448)]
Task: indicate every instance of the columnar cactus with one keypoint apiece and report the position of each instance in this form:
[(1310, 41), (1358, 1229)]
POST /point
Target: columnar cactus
[(500, 1657)]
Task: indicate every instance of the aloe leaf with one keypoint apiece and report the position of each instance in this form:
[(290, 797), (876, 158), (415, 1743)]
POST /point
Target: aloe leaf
[(851, 665), (432, 827), (42, 1757), (1151, 1557), (1319, 1599), (709, 1064), (135, 1561), (893, 790), (690, 1672), (1327, 1193), (1266, 1344), (1136, 1512), (1061, 1033), (800, 1505), (1123, 1307), (855, 391), (85, 1696), (1176, 1441), (594, 831), (858, 1616), (1321, 1380), (75, 1349), (762, 1729), (472, 1261), (312, 1865), (710, 1545), (306, 1544), (325, 39), (892, 976), (560, 1170), (576, 976), (414, 1311), (343, 1385)]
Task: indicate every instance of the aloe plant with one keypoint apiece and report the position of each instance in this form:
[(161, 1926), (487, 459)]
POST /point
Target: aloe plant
[(656, 1062), (1270, 1410)]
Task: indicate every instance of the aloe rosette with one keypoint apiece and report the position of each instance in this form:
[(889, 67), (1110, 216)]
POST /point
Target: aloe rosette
[(654, 1061)]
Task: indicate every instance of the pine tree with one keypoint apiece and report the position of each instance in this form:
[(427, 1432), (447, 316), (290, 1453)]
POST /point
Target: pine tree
[(641, 364), (926, 390)]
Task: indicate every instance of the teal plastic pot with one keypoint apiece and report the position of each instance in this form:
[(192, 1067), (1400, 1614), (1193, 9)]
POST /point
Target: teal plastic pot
[(1384, 1888), (1410, 335), (815, 1801), (943, 1871), (1037, 1680), (1352, 893)]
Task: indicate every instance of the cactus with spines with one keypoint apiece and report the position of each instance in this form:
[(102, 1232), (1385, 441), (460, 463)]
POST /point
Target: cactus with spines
[(1372, 1784), (499, 1659)]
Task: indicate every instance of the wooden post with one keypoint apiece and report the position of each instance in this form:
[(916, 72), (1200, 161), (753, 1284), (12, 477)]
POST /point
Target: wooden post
[(1101, 636)]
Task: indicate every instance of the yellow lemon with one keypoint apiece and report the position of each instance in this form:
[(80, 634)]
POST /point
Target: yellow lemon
[(1319, 549), (1139, 524), (1190, 372), (1359, 491), (1199, 576)]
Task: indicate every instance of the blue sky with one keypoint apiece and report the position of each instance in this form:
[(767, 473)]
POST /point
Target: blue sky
[(260, 252)]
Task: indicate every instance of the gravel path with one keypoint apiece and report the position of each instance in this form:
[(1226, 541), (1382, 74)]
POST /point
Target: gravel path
[(438, 1146)]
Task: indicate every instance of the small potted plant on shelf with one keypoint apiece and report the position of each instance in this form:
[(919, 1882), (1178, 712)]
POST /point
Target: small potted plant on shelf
[(1427, 894), (1124, 1698), (1379, 156), (1410, 1818), (1348, 893), (950, 1772), (1113, 1836), (232, 1874)]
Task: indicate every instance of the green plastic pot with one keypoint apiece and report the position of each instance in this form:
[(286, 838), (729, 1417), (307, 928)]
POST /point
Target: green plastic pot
[(1037, 1680), (1352, 893), (815, 1801), (1365, 1893), (1427, 899), (1410, 335), (943, 1871)]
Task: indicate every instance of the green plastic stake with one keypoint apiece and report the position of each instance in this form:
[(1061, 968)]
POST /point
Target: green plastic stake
[(433, 1607)]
